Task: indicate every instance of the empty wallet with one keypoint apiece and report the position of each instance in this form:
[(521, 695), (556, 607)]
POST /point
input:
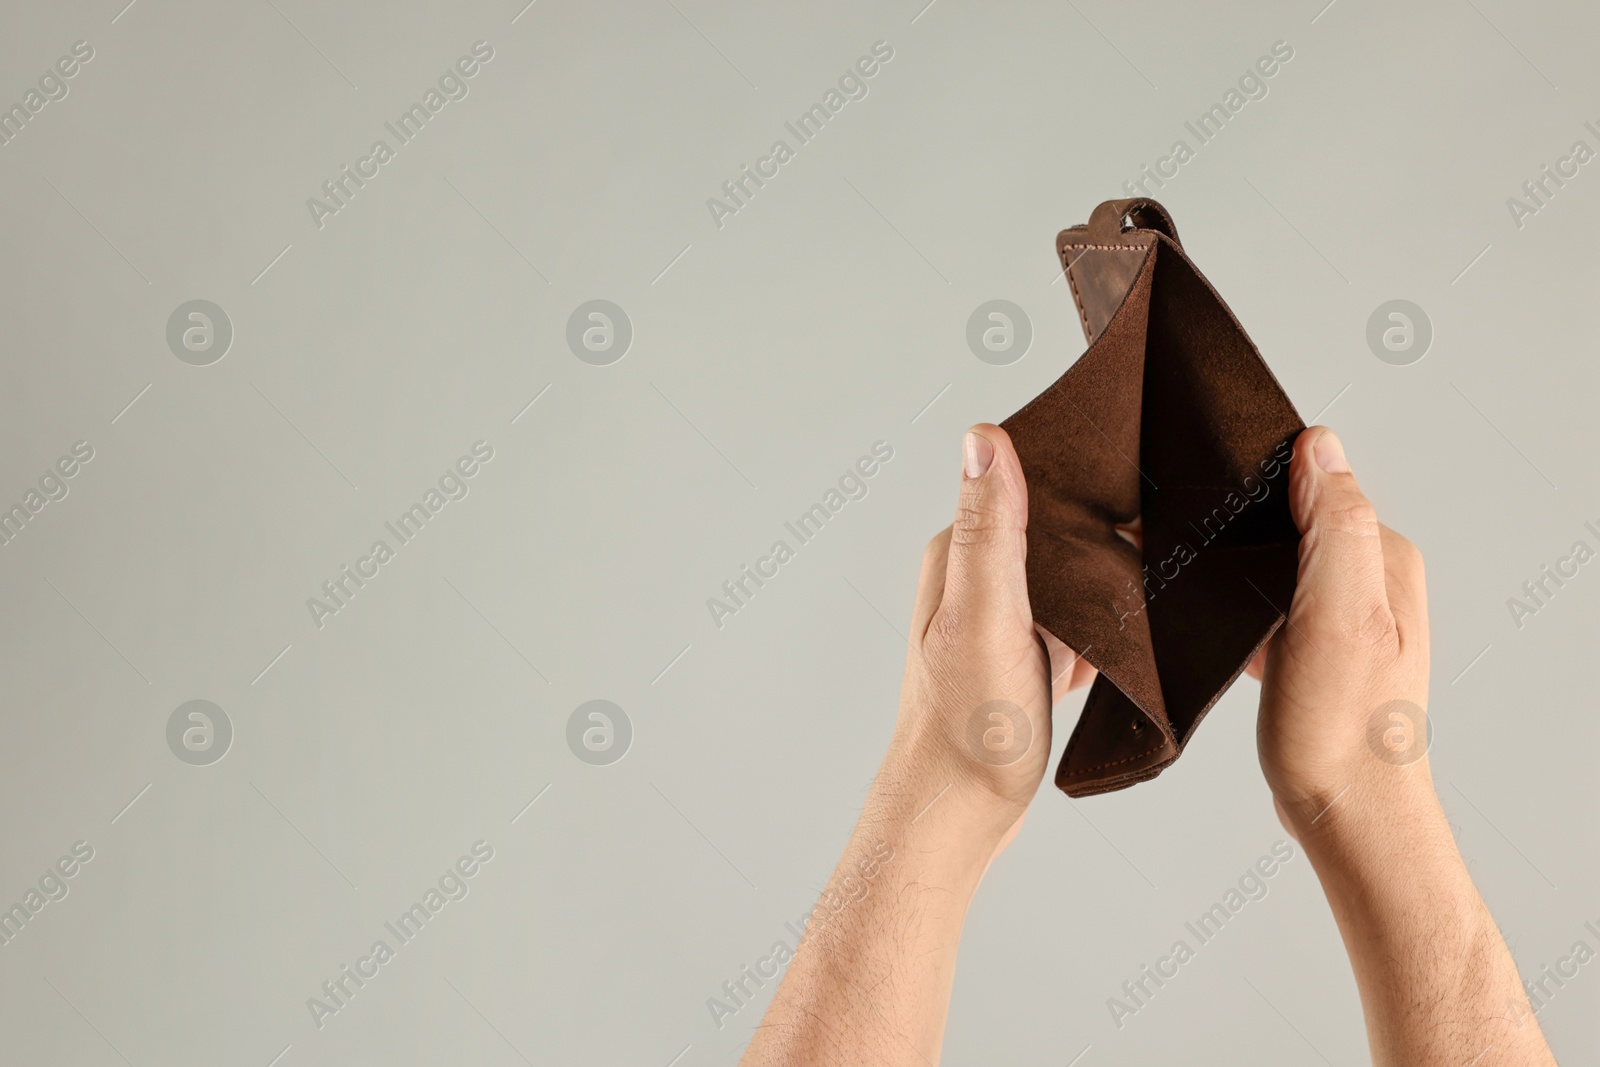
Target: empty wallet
[(1172, 421)]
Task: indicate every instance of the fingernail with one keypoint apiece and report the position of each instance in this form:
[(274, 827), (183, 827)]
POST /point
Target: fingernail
[(1330, 454), (979, 454)]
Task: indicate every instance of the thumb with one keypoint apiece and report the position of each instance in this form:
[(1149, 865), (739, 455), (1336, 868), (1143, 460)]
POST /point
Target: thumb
[(986, 579), (1340, 593)]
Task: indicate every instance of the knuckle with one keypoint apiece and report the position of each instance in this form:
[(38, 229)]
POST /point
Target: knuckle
[(965, 631), (1377, 627), (1357, 518), (974, 533), (980, 522), (946, 628)]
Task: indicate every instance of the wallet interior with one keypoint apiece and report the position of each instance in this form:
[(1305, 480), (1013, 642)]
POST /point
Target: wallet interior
[(1170, 418)]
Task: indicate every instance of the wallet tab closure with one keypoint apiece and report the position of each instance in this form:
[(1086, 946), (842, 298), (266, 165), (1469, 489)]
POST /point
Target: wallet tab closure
[(1106, 255), (1114, 220), (1103, 257)]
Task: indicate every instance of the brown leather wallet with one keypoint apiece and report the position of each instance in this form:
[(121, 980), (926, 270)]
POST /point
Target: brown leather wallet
[(1170, 419)]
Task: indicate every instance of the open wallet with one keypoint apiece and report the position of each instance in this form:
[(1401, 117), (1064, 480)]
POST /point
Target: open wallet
[(1170, 423)]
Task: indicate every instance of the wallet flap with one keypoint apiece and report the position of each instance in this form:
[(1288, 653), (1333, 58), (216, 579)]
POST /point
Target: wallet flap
[(1112, 746)]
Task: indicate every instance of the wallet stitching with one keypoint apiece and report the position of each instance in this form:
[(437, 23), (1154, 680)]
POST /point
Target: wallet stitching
[(1077, 300), (1077, 297), (1073, 740), (1114, 763)]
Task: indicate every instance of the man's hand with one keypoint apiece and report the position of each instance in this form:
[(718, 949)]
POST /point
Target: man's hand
[(980, 678), (871, 981), (1343, 741), (1344, 688)]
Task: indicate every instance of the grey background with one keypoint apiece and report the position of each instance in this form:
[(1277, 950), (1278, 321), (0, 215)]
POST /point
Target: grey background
[(768, 355)]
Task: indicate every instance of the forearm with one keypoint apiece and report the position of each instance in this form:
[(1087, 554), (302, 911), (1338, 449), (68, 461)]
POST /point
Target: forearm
[(871, 980), (1438, 986)]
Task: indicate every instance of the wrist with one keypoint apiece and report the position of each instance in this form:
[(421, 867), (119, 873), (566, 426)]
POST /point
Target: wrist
[(981, 792), (1384, 827), (940, 806), (911, 868)]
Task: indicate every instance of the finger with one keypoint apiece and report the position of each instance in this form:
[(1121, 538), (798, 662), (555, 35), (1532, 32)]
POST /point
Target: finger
[(930, 581), (1083, 672), (986, 580), (1068, 670), (1258, 663), (1341, 590), (1406, 587), (1132, 532), (1063, 664)]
